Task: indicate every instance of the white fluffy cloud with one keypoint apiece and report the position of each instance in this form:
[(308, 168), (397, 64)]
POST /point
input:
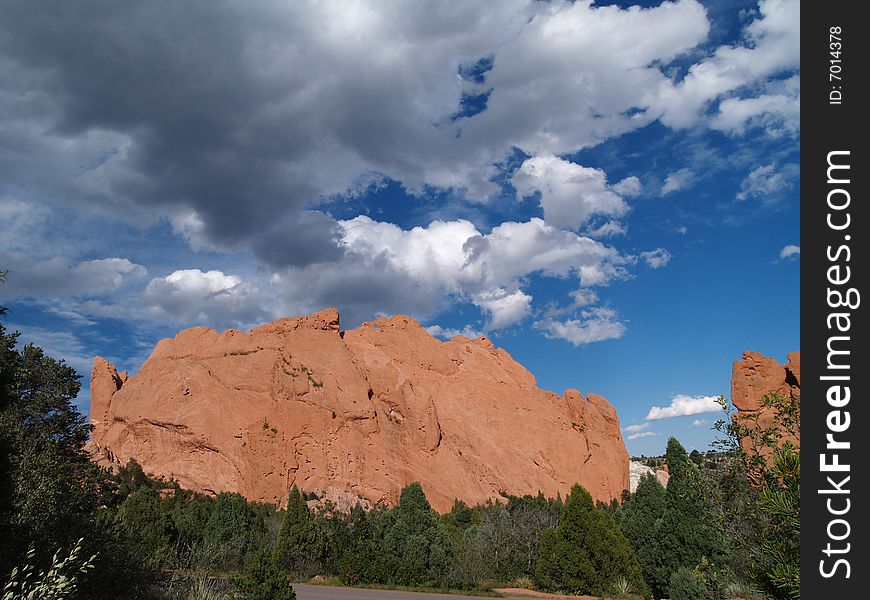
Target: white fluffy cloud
[(642, 434), (628, 187), (339, 93), (773, 45), (790, 251), (190, 296), (594, 325), (768, 181), (777, 112), (413, 270), (698, 423), (678, 180), (656, 259), (570, 193), (683, 405)]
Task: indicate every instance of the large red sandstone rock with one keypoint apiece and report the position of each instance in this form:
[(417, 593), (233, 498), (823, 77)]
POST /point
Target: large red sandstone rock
[(361, 412), (754, 377)]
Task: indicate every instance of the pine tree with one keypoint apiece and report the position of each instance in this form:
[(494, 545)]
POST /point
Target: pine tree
[(639, 519), (586, 553), (690, 530), (296, 549), (417, 543)]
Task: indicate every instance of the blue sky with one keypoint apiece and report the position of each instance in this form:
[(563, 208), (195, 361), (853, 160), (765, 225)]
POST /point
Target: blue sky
[(609, 192)]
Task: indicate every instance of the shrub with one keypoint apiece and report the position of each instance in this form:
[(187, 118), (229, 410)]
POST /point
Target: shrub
[(263, 579), (685, 585)]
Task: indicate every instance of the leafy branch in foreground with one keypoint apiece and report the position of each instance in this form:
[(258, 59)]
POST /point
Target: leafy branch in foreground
[(60, 580), (769, 458)]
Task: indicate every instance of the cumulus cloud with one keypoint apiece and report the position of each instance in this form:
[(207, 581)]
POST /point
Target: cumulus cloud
[(317, 101), (697, 423), (191, 296), (311, 99), (420, 269), (778, 112), (678, 180), (642, 434), (657, 258), (570, 193), (628, 187), (683, 405), (768, 181), (594, 325), (772, 46), (61, 277), (790, 251)]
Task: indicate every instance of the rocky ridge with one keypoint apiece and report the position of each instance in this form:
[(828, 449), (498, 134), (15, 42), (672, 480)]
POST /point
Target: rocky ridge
[(356, 414)]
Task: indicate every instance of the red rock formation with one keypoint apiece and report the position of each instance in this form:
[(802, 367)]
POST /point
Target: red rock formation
[(755, 376), (361, 412)]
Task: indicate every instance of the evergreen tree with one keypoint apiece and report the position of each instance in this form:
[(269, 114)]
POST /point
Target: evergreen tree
[(297, 547), (417, 543), (639, 519), (149, 529), (690, 530), (586, 553), (263, 579)]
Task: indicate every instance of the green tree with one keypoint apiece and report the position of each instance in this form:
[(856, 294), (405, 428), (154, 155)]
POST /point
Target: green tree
[(51, 494), (766, 461), (586, 553), (234, 530), (417, 543), (297, 547), (48, 486), (150, 530), (60, 580), (263, 579), (690, 529), (640, 518)]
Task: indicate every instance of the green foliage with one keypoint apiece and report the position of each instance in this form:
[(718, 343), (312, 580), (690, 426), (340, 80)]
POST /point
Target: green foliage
[(51, 494), (417, 545), (298, 544), (684, 584), (768, 463), (148, 528), (690, 529), (639, 519), (586, 553), (59, 581), (263, 579)]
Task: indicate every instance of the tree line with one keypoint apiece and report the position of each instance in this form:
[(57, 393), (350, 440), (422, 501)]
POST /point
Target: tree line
[(718, 530)]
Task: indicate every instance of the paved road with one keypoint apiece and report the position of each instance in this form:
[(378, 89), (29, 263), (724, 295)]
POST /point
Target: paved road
[(323, 592)]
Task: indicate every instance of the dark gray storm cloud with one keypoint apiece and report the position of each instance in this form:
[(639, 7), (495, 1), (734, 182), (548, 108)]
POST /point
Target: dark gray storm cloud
[(235, 120), (160, 108)]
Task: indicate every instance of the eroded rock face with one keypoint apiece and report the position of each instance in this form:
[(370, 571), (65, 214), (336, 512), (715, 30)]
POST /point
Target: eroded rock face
[(757, 375), (637, 470), (360, 413)]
